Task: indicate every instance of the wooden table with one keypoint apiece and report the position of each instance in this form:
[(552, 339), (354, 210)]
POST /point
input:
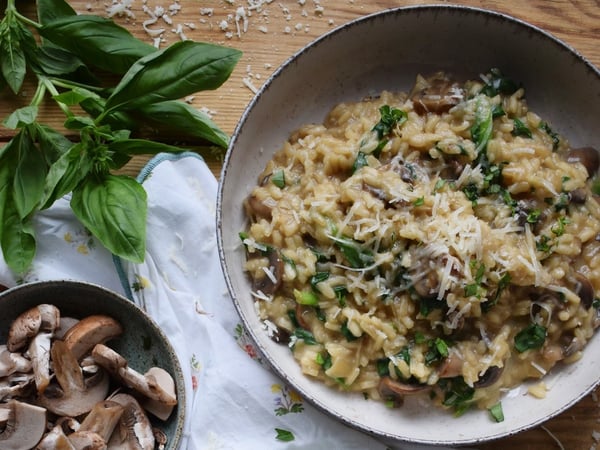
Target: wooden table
[(282, 27)]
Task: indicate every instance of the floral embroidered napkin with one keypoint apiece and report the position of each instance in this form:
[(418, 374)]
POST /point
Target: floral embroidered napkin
[(234, 401)]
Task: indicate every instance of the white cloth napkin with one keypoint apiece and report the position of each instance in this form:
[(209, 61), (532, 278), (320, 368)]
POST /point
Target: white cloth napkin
[(234, 402)]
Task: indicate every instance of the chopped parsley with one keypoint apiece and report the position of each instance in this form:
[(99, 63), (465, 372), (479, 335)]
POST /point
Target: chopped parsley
[(520, 129), (531, 337)]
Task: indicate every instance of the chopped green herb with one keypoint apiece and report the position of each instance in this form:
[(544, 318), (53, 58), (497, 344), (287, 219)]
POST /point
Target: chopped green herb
[(317, 278), (531, 337), (341, 292), (347, 333), (533, 216), (357, 256), (496, 83), (596, 303), (284, 435), (278, 178), (559, 228), (458, 395), (359, 162), (562, 202), (390, 118), (307, 298), (419, 202), (502, 284), (520, 129), (481, 131), (306, 336), (419, 337), (290, 262), (496, 412), (554, 136), (438, 350), (596, 186), (439, 184), (475, 289), (543, 245)]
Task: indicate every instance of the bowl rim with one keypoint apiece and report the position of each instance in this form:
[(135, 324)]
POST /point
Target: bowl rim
[(409, 9), (175, 442)]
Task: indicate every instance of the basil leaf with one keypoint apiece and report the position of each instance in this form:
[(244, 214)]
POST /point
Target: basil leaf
[(481, 131), (181, 69), (306, 336), (18, 239), (13, 63), (65, 174), (520, 129), (180, 118), (114, 209), (99, 42), (307, 298), (357, 256), (278, 178), (21, 117), (497, 83), (58, 62), (5, 185), (141, 147), (530, 337), (29, 176), (49, 10)]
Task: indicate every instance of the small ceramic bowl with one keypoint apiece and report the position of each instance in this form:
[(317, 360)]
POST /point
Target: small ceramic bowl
[(142, 343), (385, 51)]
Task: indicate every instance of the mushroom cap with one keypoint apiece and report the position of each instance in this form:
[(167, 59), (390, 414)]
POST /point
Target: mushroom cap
[(42, 317), (25, 426), (89, 331)]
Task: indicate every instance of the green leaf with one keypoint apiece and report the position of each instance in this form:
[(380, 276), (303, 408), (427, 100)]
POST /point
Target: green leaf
[(49, 10), (18, 239), (284, 435), (5, 185), (30, 172), (99, 42), (496, 412), (52, 143), (307, 298), (57, 62), (65, 174), (13, 63), (357, 256), (531, 337), (184, 120), (114, 209), (278, 178), (481, 131), (141, 147), (21, 117), (520, 129), (181, 69)]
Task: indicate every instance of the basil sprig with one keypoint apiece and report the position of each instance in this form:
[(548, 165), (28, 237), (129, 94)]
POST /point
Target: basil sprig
[(40, 165)]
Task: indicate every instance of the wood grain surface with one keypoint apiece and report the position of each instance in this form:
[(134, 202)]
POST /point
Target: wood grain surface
[(276, 31)]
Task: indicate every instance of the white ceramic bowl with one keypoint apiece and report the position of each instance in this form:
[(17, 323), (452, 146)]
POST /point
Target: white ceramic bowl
[(386, 51)]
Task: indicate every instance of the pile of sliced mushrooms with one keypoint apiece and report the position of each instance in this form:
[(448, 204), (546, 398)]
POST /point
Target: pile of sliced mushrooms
[(61, 387)]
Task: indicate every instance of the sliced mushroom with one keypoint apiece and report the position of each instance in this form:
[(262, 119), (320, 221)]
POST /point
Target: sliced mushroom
[(584, 289), (134, 431), (588, 156), (437, 94), (165, 380), (74, 395), (43, 317), (65, 324), (55, 439), (271, 282), (16, 385), (452, 366), (87, 440), (489, 377), (89, 331), (256, 207), (102, 419), (117, 366), (25, 426), (395, 390), (11, 362), (427, 286), (39, 352)]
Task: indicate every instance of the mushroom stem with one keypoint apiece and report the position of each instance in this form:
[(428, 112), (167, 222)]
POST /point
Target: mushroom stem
[(116, 365)]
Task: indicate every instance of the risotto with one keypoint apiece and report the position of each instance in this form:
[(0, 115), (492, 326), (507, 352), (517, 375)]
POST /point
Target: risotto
[(442, 242)]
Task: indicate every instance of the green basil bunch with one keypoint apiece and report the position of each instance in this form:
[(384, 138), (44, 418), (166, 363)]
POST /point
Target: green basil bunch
[(40, 165)]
